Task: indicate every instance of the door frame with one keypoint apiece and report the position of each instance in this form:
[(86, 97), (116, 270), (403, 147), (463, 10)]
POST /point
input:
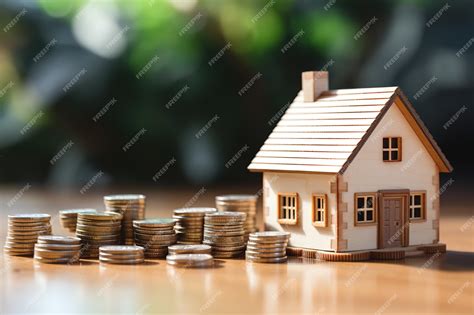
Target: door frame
[(405, 230)]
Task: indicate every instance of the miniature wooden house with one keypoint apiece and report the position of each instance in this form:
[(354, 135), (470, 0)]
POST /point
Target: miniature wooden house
[(351, 170)]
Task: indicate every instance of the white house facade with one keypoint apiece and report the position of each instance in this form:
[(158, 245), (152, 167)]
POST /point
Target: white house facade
[(351, 170)]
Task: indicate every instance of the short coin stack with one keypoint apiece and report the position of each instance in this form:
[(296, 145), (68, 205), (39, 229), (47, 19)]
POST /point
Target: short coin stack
[(122, 254), (155, 235), (189, 224), (189, 249), (68, 218), (267, 247), (190, 260), (131, 207), (97, 229), (224, 232), (23, 232), (55, 249), (240, 203)]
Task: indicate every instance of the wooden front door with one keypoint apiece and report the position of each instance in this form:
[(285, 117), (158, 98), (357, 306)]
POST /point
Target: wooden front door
[(392, 233)]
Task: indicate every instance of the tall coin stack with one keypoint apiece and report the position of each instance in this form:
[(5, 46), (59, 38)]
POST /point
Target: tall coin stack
[(224, 232), (131, 207), (189, 224), (122, 254), (68, 218), (97, 229), (155, 235), (241, 203), (267, 247), (23, 232), (55, 249)]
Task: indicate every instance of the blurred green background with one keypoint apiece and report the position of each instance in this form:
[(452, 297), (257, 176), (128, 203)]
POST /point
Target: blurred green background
[(153, 92)]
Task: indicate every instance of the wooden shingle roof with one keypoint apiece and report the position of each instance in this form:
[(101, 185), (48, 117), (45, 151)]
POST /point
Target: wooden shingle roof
[(324, 136)]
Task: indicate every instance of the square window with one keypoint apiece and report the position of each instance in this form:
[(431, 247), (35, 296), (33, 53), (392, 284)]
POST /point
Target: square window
[(391, 149), (288, 208), (365, 208), (417, 205), (319, 205)]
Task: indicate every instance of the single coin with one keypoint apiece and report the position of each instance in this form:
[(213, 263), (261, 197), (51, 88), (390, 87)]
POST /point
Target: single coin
[(74, 212), (58, 247), (29, 217), (196, 211), (99, 216), (158, 222), (71, 260), (265, 254), (121, 249), (270, 234), (58, 239), (266, 260), (190, 249), (124, 197), (236, 197), (190, 260)]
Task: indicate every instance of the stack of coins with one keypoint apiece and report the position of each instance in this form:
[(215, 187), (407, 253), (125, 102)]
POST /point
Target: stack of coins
[(241, 203), (23, 232), (131, 207), (189, 224), (122, 254), (55, 249), (224, 232), (267, 247), (155, 235), (189, 249), (97, 229), (68, 218), (190, 260)]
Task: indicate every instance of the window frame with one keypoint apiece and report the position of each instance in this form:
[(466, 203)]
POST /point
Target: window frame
[(422, 206), (375, 208), (314, 198), (297, 207), (390, 149)]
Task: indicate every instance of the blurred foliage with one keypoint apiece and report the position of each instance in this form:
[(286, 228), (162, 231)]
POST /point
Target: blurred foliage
[(115, 40)]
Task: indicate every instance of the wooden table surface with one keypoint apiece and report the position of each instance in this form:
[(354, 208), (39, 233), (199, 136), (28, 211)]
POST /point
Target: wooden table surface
[(431, 284)]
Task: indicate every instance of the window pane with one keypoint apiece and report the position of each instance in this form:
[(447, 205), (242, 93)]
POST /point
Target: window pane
[(394, 155), (370, 201), (322, 203), (411, 200), (360, 202), (418, 200), (360, 216), (385, 143), (385, 155), (417, 212), (318, 218), (318, 203), (370, 215), (283, 201), (394, 142)]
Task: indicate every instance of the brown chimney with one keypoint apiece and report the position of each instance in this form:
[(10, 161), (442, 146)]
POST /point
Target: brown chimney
[(313, 84)]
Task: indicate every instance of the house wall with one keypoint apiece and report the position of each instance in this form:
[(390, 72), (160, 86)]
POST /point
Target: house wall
[(368, 173), (304, 234)]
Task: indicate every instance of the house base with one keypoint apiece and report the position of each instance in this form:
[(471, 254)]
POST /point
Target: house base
[(376, 254)]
